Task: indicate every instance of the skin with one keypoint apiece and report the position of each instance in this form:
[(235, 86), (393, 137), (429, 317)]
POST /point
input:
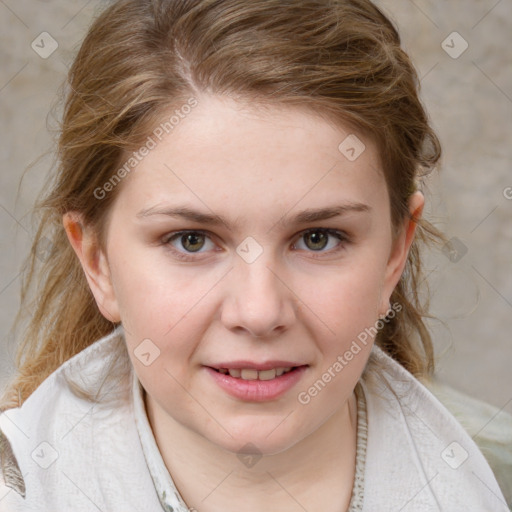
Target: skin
[(295, 301)]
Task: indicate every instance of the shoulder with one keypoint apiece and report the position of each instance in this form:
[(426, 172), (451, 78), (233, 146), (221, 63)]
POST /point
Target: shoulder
[(418, 454), (490, 427), (57, 420)]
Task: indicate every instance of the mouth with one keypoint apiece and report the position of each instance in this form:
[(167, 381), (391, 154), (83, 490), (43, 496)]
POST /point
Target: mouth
[(253, 374), (257, 385)]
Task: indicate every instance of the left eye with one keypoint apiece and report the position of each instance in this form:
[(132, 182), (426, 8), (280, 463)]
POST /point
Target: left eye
[(318, 239)]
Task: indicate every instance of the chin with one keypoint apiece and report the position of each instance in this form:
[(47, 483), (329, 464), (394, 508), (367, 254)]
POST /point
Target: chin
[(260, 439)]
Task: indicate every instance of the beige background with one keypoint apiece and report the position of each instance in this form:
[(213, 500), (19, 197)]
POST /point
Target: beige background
[(470, 102)]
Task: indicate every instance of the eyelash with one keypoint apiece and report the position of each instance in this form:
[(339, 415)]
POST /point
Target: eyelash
[(342, 237)]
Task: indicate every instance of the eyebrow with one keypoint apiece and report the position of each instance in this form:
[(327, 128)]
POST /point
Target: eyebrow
[(304, 217)]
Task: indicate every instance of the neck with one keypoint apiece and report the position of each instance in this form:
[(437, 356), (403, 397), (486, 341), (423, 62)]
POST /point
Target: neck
[(316, 473)]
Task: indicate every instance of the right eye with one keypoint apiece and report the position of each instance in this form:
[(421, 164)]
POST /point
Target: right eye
[(191, 241)]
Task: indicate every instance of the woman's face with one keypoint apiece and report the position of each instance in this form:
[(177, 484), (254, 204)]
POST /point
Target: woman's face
[(300, 265)]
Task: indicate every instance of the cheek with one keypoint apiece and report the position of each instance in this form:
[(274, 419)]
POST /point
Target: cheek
[(345, 299), (154, 295), (167, 388), (163, 362), (346, 310)]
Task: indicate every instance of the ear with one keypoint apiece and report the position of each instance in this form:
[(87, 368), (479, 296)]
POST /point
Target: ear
[(94, 263), (400, 250)]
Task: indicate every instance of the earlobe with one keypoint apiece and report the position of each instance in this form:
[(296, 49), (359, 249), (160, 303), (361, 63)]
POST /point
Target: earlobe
[(94, 264), (401, 247)]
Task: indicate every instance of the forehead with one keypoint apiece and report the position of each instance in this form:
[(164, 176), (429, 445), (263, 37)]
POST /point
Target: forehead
[(225, 152)]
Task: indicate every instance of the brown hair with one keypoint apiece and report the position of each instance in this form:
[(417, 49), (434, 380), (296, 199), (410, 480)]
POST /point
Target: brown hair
[(340, 59)]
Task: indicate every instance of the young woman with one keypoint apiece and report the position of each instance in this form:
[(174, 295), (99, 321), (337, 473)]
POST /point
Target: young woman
[(228, 315)]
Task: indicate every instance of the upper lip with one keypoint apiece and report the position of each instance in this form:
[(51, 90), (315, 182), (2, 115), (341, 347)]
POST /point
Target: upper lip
[(267, 365)]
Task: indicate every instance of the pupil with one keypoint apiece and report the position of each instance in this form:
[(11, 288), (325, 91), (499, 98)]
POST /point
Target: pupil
[(317, 237), (191, 239)]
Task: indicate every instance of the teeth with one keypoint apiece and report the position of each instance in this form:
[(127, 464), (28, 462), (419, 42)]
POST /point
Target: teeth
[(251, 374), (267, 374)]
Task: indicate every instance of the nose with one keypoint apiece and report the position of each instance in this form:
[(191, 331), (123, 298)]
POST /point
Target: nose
[(258, 300)]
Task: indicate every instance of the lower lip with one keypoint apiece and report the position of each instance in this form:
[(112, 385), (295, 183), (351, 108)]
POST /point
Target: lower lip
[(257, 390)]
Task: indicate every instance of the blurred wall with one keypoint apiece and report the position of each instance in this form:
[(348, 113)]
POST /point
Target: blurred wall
[(462, 53)]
